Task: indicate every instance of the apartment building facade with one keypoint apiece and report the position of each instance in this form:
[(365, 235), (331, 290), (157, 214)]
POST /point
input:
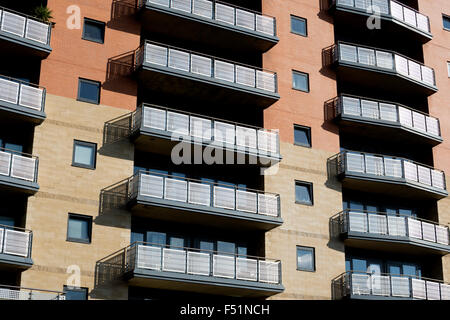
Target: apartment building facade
[(263, 149)]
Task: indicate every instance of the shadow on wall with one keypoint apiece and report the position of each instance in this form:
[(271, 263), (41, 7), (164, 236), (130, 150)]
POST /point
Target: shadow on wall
[(332, 181), (118, 72), (327, 61), (323, 14), (123, 16), (116, 134), (113, 206)]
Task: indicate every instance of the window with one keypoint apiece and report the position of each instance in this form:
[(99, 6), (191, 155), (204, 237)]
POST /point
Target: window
[(305, 259), (448, 68), (300, 81), (304, 193), (94, 30), (302, 136), (298, 26), (79, 228), (446, 22), (84, 154), (88, 91), (75, 293)]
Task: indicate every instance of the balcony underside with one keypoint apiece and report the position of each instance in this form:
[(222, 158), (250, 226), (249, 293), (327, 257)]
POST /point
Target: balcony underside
[(390, 186), (189, 85), (10, 262), (18, 185), (390, 243), (211, 33), (201, 284), (20, 47), (161, 142), (386, 130), (176, 211), (356, 19), (381, 80), (15, 112)]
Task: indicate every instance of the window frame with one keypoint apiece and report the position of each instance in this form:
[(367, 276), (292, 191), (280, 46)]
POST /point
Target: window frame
[(82, 99), (313, 251), (445, 16), (89, 219), (311, 192), (308, 131), (448, 69), (97, 22), (306, 25), (76, 289), (85, 144), (307, 78)]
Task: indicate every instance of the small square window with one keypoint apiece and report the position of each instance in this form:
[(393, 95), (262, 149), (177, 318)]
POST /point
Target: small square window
[(300, 81), (302, 136), (89, 91), (79, 228), (298, 26), (304, 193), (306, 259), (446, 20), (94, 30), (75, 293), (84, 154)]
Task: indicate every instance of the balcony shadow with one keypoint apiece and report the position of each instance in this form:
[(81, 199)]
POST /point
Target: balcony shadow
[(123, 16), (323, 14), (112, 210), (118, 74), (332, 181), (327, 61)]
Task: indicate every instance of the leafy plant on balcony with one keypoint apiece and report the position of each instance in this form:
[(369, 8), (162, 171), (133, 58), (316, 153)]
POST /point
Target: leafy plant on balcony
[(43, 13)]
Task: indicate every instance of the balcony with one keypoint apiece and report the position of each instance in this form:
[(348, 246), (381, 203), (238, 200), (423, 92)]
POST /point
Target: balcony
[(180, 72), (194, 201), (389, 175), (21, 100), (19, 293), (213, 23), (15, 248), (385, 120), (381, 70), (24, 35), (159, 129), (193, 270), (18, 172), (360, 285), (397, 19), (378, 230)]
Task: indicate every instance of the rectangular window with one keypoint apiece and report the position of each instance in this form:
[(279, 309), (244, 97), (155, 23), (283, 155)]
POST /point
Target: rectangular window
[(75, 293), (306, 259), (94, 30), (304, 193), (298, 26), (448, 68), (79, 228), (84, 154), (302, 136), (300, 81), (446, 20), (88, 91)]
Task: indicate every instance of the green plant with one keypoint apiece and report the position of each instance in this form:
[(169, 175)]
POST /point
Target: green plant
[(43, 13)]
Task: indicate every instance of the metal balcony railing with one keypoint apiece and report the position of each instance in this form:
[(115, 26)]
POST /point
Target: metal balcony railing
[(383, 224), (189, 261), (394, 9), (383, 60), (18, 165), (221, 12), (391, 167), (15, 241), (202, 193), (27, 27), (363, 108), (20, 293), (206, 66), (22, 94), (390, 286), (207, 129)]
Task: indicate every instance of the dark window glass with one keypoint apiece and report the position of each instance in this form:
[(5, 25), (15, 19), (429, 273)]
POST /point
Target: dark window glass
[(94, 30), (300, 81), (137, 236), (305, 259), (446, 22), (89, 91), (302, 136), (303, 193), (74, 293), (206, 245), (14, 147), (359, 265), (6, 221), (226, 247), (298, 26), (176, 241), (156, 237), (84, 154), (79, 228)]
